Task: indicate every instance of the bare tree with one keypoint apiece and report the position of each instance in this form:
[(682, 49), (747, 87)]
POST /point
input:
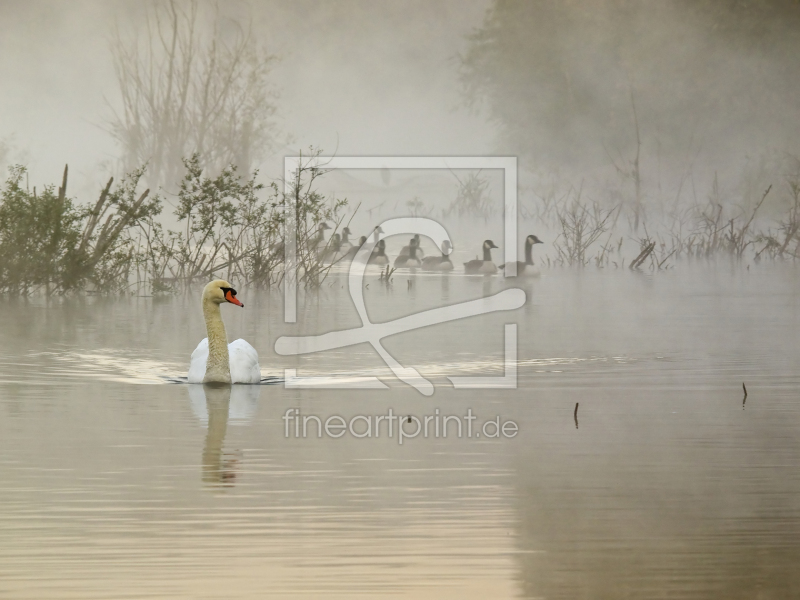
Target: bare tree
[(190, 84), (581, 226), (472, 197), (634, 174)]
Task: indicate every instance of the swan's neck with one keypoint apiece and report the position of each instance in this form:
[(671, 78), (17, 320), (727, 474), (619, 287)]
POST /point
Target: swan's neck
[(487, 254), (218, 367), (528, 254)]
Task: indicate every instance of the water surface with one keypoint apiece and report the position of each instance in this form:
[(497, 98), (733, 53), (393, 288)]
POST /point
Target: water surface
[(118, 483)]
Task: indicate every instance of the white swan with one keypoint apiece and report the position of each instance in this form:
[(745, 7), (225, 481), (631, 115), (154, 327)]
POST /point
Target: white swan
[(215, 360)]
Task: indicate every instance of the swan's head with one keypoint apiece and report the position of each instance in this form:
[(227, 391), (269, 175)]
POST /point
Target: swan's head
[(532, 239), (220, 291), (488, 244)]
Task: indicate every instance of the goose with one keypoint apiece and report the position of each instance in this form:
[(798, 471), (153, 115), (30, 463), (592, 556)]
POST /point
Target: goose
[(439, 263), (330, 253), (527, 268), (215, 360), (410, 260), (379, 255), (319, 237), (346, 245), (376, 233), (351, 253), (406, 250), (485, 266)]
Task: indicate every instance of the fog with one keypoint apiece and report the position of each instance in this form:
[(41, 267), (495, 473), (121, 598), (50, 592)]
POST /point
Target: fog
[(713, 85), (646, 350), (353, 77)]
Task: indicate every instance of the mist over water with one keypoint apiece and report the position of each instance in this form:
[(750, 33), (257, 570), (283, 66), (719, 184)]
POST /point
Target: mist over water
[(655, 398), (166, 489)]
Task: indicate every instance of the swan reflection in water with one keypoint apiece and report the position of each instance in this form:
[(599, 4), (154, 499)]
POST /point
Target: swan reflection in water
[(216, 406)]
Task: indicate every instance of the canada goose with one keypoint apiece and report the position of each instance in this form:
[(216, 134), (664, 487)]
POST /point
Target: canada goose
[(410, 261), (215, 360), (379, 255), (345, 245), (527, 268), (376, 233), (485, 266), (439, 263), (331, 252), (351, 253), (406, 250), (318, 238)]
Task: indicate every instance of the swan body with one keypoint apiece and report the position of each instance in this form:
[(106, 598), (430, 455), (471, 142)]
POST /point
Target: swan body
[(215, 360), (439, 263), (485, 266), (243, 360), (527, 268)]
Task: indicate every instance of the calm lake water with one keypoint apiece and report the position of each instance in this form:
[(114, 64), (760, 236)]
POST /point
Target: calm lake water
[(118, 483)]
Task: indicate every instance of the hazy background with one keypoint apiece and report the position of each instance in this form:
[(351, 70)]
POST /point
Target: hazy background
[(640, 470), (366, 78), (710, 86)]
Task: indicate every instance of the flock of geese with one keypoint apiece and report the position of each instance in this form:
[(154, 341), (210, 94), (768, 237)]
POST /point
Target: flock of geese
[(215, 361), (339, 249)]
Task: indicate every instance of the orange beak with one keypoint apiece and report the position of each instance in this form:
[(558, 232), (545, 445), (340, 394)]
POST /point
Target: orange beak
[(232, 299)]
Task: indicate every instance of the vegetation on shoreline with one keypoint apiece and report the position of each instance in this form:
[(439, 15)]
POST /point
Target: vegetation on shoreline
[(234, 227), (592, 232), (231, 227), (48, 242)]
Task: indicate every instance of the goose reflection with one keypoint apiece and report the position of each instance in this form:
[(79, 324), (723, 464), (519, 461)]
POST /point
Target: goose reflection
[(216, 406)]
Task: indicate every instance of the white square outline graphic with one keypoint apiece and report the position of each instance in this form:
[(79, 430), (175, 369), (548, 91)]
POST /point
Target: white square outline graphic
[(508, 164)]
